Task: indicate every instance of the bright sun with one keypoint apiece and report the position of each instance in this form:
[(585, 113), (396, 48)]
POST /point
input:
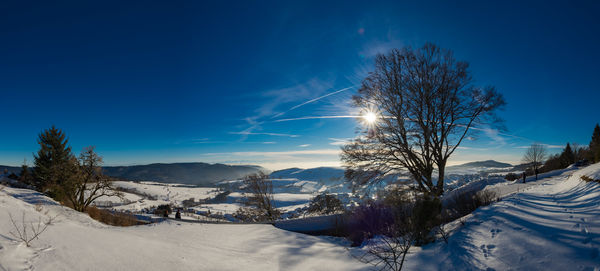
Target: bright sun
[(370, 117)]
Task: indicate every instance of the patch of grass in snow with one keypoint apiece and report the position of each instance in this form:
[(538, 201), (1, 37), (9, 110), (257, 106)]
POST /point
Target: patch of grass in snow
[(113, 218)]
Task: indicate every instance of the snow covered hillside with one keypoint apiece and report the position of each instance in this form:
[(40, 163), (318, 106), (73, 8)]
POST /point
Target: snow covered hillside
[(76, 242), (553, 225)]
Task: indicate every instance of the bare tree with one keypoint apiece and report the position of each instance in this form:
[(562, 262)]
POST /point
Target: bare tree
[(260, 188), (535, 155), (87, 183), (420, 105)]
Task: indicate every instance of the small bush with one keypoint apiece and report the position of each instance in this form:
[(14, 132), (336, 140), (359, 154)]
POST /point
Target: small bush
[(388, 232), (191, 202), (512, 176), (396, 209), (163, 210), (325, 204), (251, 214), (467, 202), (426, 214), (367, 220), (112, 218)]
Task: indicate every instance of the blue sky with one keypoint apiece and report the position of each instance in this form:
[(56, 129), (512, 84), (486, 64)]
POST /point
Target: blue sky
[(181, 81)]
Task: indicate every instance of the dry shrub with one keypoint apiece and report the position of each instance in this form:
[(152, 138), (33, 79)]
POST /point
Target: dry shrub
[(467, 202), (588, 179), (27, 232), (112, 218)]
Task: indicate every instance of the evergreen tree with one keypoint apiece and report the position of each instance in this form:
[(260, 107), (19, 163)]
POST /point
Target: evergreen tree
[(595, 145), (567, 157), (53, 160), (25, 176)]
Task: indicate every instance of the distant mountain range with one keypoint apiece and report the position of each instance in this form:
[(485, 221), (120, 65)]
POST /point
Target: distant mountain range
[(202, 174), (487, 163)]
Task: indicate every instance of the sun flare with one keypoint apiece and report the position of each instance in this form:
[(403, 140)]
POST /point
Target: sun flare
[(370, 117)]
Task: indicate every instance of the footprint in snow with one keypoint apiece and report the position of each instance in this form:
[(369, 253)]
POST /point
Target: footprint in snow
[(495, 232), (487, 250)]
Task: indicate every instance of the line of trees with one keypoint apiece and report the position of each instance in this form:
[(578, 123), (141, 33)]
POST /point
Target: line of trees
[(540, 161)]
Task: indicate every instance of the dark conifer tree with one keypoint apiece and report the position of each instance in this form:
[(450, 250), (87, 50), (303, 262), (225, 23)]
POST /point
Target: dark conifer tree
[(595, 145), (52, 160), (25, 176), (567, 157)]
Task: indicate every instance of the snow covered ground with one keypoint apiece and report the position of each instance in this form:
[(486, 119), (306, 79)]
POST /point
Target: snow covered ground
[(553, 225), (76, 242), (550, 224)]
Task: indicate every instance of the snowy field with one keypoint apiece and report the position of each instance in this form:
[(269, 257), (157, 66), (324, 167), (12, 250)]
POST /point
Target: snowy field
[(549, 224), (144, 195), (289, 195), (76, 242)]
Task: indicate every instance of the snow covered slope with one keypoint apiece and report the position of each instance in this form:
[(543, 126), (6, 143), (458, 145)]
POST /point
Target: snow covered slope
[(76, 242), (553, 225)]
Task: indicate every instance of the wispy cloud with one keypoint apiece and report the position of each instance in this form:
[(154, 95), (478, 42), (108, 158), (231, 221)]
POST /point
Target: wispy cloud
[(545, 145), (382, 45), (472, 148), (495, 136), (276, 98), (269, 134), (339, 141), (269, 142), (278, 153), (194, 141), (304, 145)]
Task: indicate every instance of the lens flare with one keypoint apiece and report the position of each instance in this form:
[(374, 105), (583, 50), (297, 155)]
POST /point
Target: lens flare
[(370, 117)]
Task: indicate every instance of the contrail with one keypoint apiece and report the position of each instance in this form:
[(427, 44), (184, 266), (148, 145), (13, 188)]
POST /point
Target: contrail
[(312, 101), (319, 117)]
